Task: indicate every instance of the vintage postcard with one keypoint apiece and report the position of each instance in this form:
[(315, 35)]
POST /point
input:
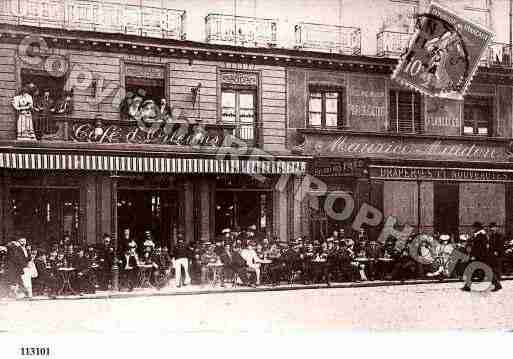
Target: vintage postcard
[(262, 169)]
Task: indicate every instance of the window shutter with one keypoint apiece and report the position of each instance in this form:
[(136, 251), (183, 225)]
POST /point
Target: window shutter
[(405, 114)]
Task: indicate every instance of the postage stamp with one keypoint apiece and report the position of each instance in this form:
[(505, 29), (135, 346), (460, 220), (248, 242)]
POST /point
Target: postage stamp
[(443, 54)]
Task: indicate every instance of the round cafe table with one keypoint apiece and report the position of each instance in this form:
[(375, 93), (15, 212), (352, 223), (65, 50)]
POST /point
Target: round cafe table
[(144, 275), (264, 271), (66, 273), (217, 268)]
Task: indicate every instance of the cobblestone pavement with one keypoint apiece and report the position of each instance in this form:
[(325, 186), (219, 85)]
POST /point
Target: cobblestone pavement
[(421, 306)]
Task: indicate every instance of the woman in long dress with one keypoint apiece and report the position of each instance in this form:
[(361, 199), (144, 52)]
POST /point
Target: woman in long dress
[(24, 104)]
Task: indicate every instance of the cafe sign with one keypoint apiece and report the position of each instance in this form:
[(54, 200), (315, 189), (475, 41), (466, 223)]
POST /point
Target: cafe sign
[(369, 146), (440, 174)]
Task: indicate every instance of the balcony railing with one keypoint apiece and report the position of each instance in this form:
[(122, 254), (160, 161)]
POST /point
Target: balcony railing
[(90, 15), (328, 38), (240, 30), (392, 44)]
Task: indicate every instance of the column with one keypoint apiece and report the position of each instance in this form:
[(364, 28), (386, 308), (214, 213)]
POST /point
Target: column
[(297, 212), (88, 210), (113, 191), (188, 206), (105, 213), (206, 199), (280, 212)]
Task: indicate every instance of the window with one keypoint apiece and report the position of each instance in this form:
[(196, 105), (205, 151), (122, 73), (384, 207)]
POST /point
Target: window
[(239, 108), (325, 108), (405, 113), (478, 116), (148, 89)]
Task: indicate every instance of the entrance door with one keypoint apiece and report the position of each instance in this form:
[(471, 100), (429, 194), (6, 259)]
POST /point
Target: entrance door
[(143, 210), (446, 208)]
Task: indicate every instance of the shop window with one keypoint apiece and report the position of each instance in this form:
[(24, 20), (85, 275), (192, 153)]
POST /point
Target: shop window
[(45, 215), (478, 116), (405, 113), (239, 108), (325, 108)]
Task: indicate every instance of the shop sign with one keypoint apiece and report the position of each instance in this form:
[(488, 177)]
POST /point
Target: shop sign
[(367, 102), (144, 71), (178, 135), (440, 174), (442, 116), (336, 168), (408, 148), (239, 78)]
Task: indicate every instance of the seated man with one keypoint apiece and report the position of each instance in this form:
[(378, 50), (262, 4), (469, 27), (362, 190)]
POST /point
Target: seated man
[(233, 264), (129, 268), (252, 260), (83, 274), (46, 281), (208, 258), (163, 269)]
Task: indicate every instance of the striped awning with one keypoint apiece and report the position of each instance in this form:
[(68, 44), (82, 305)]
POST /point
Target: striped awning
[(59, 161)]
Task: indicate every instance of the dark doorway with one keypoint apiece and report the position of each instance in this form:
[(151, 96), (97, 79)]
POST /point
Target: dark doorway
[(143, 210), (446, 208), (243, 209)]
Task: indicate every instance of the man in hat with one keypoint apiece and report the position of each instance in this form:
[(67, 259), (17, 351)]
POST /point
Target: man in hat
[(106, 258), (181, 255), (479, 252), (496, 253), (43, 107), (252, 260)]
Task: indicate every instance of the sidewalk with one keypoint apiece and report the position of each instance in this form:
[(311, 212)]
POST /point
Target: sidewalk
[(207, 289)]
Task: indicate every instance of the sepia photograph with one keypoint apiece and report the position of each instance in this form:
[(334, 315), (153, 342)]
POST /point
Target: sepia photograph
[(276, 168)]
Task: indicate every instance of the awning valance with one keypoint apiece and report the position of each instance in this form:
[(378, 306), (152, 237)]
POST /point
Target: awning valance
[(147, 164)]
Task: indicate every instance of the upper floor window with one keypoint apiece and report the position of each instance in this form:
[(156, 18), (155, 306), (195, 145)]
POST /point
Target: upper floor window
[(239, 103), (325, 108), (478, 116), (145, 92), (239, 108), (405, 112)]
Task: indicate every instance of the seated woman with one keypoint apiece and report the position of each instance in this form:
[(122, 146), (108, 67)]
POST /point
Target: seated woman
[(207, 260), (233, 264)]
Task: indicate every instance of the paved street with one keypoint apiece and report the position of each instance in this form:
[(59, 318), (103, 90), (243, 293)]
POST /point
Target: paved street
[(432, 306)]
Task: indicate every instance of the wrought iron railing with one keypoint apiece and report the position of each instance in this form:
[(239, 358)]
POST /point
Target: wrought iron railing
[(92, 15), (391, 43), (328, 38), (240, 30)]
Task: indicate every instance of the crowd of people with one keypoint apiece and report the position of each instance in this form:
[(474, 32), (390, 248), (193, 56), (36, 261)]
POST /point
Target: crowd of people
[(245, 258)]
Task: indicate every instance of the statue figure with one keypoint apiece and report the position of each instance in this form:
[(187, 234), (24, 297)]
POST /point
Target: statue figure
[(24, 104)]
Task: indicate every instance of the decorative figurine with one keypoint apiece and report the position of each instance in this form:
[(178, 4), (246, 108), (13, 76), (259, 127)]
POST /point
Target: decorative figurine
[(24, 105)]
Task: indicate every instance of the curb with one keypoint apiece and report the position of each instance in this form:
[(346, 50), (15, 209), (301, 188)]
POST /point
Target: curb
[(124, 295)]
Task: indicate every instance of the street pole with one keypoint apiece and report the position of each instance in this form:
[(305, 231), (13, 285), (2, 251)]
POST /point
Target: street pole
[(510, 31), (418, 205), (114, 228)]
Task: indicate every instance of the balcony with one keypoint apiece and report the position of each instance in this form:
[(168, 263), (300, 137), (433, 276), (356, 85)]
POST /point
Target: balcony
[(240, 30), (392, 44), (101, 16), (328, 38)]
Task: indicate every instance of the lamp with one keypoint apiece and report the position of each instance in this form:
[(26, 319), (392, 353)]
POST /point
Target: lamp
[(195, 92)]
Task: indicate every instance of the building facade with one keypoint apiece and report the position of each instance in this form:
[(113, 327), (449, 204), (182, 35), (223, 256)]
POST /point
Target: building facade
[(242, 123)]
